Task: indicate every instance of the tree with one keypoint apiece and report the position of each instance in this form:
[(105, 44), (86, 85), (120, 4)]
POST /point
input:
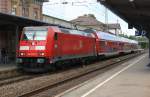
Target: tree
[(90, 15), (122, 35), (143, 41)]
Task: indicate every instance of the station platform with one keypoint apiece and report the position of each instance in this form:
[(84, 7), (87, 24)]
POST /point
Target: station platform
[(130, 79), (8, 70), (6, 67)]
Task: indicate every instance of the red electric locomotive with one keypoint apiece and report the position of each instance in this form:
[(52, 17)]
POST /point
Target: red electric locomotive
[(41, 47)]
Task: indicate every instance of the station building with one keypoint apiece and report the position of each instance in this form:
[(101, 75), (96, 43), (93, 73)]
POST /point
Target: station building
[(89, 21), (61, 22), (114, 28), (14, 15), (26, 8)]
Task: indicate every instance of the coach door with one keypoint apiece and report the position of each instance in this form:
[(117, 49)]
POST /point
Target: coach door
[(102, 46)]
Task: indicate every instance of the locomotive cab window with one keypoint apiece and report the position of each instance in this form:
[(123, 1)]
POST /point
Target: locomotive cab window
[(34, 35)]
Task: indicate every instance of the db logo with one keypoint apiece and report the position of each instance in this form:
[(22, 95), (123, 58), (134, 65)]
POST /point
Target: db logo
[(32, 48)]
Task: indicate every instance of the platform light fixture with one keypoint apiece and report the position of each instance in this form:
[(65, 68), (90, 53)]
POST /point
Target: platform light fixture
[(102, 0), (131, 0)]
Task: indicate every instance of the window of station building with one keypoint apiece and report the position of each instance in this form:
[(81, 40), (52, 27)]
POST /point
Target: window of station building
[(25, 7), (14, 5), (38, 2), (24, 3), (25, 12), (14, 11), (35, 13)]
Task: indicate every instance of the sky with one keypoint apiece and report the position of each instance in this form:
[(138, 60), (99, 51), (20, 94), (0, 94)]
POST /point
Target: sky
[(75, 8)]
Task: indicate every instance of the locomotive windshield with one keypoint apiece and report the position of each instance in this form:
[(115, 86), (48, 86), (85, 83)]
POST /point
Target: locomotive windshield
[(35, 35)]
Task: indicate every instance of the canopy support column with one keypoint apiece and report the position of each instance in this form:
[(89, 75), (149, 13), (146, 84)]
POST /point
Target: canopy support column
[(149, 48), (17, 39)]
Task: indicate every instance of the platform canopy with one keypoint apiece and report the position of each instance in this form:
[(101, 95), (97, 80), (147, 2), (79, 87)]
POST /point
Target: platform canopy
[(135, 12), (6, 19)]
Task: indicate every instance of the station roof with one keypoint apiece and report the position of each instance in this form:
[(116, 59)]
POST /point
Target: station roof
[(135, 12), (114, 26), (6, 19)]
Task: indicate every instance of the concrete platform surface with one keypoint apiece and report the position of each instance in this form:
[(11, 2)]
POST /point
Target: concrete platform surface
[(130, 79), (6, 67)]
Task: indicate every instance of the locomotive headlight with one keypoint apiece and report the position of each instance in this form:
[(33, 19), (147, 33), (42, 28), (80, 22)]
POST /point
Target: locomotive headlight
[(40, 48), (22, 54), (41, 54)]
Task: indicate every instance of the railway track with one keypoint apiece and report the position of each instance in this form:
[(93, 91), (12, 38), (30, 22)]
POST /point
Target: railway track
[(18, 78), (72, 75), (15, 75)]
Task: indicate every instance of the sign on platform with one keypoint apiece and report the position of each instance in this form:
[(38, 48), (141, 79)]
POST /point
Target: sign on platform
[(140, 33)]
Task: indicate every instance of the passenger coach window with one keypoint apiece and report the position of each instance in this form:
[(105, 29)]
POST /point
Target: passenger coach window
[(56, 36), (102, 43)]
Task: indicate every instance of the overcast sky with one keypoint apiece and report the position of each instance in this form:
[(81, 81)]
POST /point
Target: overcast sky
[(75, 8)]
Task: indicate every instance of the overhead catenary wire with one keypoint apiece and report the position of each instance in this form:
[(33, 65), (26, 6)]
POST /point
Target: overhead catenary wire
[(85, 4), (100, 13)]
